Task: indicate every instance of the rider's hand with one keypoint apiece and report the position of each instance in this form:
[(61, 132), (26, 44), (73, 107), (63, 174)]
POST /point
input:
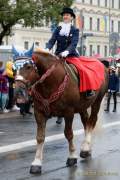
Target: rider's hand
[(64, 53), (47, 50)]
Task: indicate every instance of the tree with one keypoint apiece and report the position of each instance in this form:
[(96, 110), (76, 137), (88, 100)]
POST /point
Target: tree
[(55, 7), (28, 13)]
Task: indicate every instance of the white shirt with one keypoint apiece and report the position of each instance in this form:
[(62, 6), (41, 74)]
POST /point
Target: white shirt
[(65, 29)]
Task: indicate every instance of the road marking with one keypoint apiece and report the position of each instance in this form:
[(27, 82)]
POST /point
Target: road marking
[(1, 132), (52, 138)]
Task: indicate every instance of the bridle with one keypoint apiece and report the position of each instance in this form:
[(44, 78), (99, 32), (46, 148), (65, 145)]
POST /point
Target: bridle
[(44, 103)]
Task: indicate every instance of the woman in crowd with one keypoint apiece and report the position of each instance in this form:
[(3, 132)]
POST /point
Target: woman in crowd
[(113, 88), (3, 88)]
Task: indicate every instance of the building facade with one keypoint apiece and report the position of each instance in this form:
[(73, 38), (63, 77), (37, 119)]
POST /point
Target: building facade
[(101, 18), (25, 37)]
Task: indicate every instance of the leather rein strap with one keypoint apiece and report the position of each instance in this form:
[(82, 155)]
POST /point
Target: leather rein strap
[(45, 102)]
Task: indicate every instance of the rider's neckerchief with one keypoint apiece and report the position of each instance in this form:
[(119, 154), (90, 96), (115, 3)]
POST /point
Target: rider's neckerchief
[(65, 29)]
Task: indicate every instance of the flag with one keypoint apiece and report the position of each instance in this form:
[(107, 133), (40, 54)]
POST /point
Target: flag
[(106, 20), (79, 22), (102, 25)]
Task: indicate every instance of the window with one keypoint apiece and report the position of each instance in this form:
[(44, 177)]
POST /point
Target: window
[(26, 45), (98, 2), (105, 3), (105, 51), (98, 24), (90, 23), (91, 50), (118, 26), (91, 2), (112, 26), (98, 49), (112, 3), (36, 43)]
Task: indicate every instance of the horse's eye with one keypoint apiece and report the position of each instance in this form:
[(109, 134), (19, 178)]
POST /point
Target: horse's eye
[(28, 67)]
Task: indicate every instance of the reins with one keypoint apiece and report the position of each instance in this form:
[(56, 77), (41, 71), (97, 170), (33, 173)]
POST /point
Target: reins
[(45, 102)]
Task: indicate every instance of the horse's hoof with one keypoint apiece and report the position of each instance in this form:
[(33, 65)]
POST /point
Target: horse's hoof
[(85, 154), (71, 162), (35, 169)]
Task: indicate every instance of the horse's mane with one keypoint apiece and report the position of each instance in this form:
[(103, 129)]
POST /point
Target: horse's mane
[(45, 54)]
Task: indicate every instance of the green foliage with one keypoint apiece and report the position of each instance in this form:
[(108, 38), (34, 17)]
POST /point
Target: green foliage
[(28, 13), (52, 8)]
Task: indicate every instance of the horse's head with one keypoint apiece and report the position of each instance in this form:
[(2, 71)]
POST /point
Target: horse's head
[(24, 67), (30, 69), (25, 70)]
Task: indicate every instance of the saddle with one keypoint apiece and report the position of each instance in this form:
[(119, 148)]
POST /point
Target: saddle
[(73, 71)]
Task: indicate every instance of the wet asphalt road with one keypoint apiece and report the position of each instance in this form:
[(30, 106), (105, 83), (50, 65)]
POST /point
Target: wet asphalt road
[(103, 165)]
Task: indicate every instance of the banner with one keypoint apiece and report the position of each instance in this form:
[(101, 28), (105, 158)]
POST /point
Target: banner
[(79, 22), (103, 24)]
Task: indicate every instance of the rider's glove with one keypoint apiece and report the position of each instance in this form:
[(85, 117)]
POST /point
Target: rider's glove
[(64, 53), (47, 50)]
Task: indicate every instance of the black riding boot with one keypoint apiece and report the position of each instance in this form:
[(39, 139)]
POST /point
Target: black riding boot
[(90, 93), (59, 120)]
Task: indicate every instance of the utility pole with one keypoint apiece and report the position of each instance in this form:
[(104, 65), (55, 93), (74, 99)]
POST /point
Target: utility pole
[(82, 30), (109, 24)]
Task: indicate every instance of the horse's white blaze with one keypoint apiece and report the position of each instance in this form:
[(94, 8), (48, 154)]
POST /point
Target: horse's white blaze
[(17, 73), (39, 155), (86, 145), (18, 76)]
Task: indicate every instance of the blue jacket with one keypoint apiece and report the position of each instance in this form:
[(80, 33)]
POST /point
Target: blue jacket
[(68, 43), (113, 82)]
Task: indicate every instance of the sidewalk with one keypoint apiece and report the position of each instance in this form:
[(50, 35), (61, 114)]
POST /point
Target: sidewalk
[(12, 114), (16, 114)]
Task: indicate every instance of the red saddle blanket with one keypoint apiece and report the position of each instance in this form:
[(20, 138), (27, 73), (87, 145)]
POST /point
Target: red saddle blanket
[(91, 72)]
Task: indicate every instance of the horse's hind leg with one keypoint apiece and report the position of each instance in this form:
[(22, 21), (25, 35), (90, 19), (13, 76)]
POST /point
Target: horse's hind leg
[(89, 124), (72, 159)]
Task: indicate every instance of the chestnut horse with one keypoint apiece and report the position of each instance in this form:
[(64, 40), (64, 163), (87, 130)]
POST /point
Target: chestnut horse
[(56, 93)]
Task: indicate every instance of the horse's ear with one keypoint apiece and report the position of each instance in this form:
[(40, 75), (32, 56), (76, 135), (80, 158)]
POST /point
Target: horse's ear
[(29, 52), (14, 52)]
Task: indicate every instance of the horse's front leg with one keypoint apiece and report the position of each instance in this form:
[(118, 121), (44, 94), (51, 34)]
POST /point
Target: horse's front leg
[(37, 163), (72, 158)]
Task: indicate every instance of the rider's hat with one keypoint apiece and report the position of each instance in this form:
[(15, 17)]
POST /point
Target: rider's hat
[(68, 11)]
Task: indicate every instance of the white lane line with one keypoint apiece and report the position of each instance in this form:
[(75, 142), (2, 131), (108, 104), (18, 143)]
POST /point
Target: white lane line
[(1, 132), (30, 143)]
